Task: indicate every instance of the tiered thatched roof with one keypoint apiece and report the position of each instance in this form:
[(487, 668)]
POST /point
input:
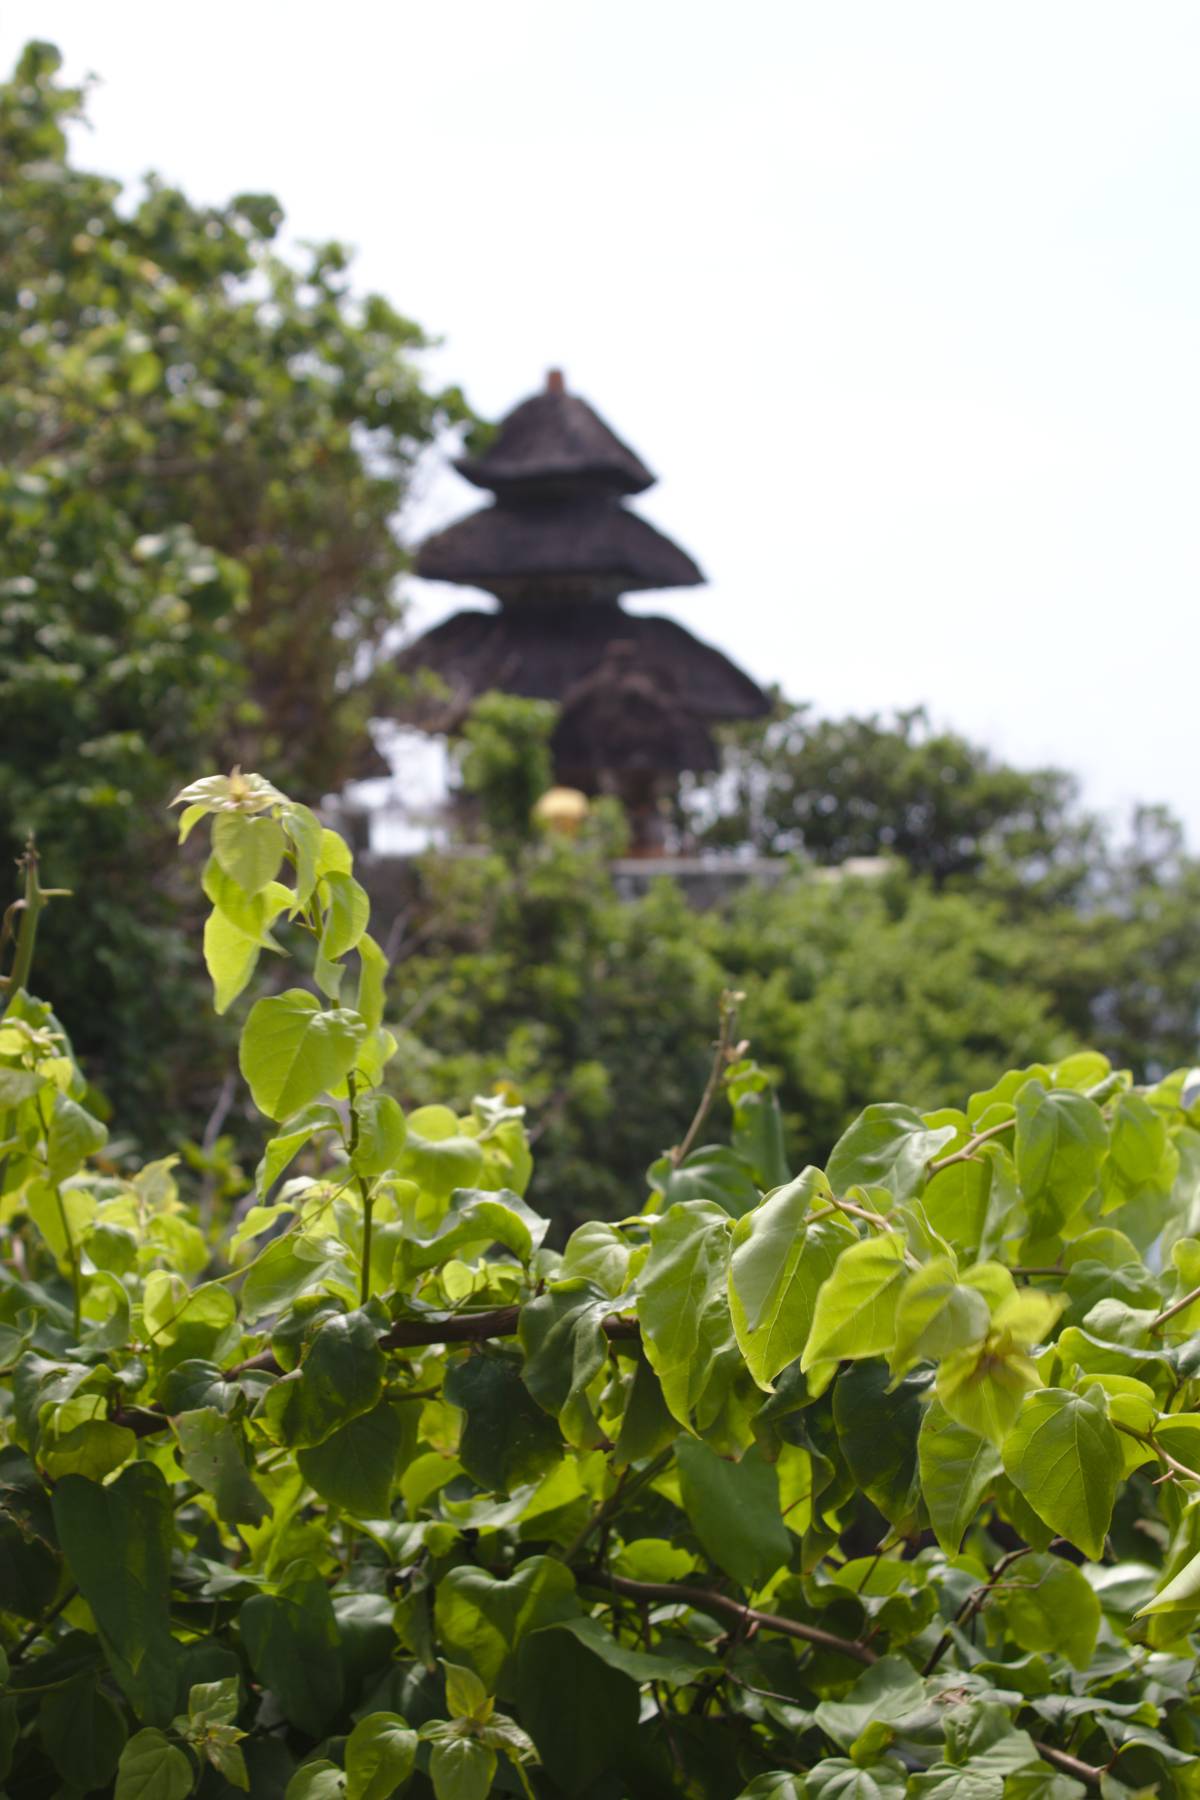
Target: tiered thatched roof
[(558, 549), (513, 551), (525, 650), (556, 437)]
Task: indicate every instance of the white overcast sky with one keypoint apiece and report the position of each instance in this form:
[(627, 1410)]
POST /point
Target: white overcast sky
[(899, 297)]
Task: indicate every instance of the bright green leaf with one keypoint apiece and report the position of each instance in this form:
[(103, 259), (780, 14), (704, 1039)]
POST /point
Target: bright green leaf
[(292, 1051), (1064, 1456)]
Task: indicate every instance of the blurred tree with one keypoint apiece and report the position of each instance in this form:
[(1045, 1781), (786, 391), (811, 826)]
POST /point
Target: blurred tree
[(839, 788), (115, 674), (505, 762), (169, 356), (202, 451)]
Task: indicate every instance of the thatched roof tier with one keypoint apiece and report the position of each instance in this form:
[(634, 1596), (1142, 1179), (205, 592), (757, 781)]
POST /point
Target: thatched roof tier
[(578, 550), (625, 718), (524, 651), (638, 696), (556, 444)]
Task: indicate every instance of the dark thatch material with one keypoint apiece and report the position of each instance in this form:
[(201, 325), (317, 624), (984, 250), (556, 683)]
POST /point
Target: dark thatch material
[(582, 549), (625, 719), (556, 442), (638, 696), (525, 650)]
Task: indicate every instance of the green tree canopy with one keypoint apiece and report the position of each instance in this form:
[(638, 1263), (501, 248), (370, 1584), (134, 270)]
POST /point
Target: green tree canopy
[(203, 448), (833, 789)]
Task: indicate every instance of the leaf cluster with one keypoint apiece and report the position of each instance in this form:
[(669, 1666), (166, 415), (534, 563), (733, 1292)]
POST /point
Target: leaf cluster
[(877, 1478)]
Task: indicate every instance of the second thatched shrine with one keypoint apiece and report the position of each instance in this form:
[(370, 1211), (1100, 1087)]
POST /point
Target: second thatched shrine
[(558, 548)]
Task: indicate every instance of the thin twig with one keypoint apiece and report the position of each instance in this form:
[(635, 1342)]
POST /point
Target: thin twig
[(1069, 1765), (973, 1603), (35, 1631), (1148, 1439), (1156, 1324), (625, 1490), (730, 1001), (678, 1594), (967, 1153)]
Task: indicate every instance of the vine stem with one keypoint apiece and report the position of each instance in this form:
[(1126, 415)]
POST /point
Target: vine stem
[(68, 1234), (1144, 1437), (678, 1594), (364, 1194), (35, 1631), (73, 1259), (967, 1153), (1069, 1765), (30, 906), (1162, 1319), (626, 1488), (974, 1602), (730, 1001)]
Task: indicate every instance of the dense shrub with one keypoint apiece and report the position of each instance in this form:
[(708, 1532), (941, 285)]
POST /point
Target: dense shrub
[(871, 1481)]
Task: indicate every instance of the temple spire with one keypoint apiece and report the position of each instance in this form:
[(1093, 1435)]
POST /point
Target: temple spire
[(558, 548)]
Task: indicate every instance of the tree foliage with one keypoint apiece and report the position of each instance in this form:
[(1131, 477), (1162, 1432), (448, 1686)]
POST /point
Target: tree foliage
[(875, 1479), (834, 789), (203, 446)]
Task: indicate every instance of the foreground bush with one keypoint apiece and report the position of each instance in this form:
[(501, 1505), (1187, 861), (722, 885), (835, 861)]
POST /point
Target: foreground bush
[(854, 1483)]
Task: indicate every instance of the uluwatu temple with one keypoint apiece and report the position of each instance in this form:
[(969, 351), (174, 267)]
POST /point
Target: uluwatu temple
[(556, 548)]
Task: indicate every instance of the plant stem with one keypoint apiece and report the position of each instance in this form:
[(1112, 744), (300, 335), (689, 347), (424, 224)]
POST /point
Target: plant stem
[(1069, 1765), (730, 1002), (1164, 1456), (364, 1194), (967, 1153), (368, 1205), (627, 1487), (973, 1603), (72, 1258), (30, 907), (673, 1594), (1156, 1324), (47, 1618)]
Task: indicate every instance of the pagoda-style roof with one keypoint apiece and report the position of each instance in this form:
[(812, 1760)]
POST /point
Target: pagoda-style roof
[(635, 714), (552, 442), (514, 551), (521, 650), (558, 548)]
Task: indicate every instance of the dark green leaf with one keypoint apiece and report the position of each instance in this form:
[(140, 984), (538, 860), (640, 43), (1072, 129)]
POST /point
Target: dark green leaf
[(355, 1466), (507, 1438), (291, 1639), (481, 1619), (878, 1427), (153, 1768), (734, 1508), (1060, 1142), (577, 1709), (212, 1450), (340, 1376), (117, 1541), (712, 1173), (957, 1468), (83, 1732), (889, 1692)]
